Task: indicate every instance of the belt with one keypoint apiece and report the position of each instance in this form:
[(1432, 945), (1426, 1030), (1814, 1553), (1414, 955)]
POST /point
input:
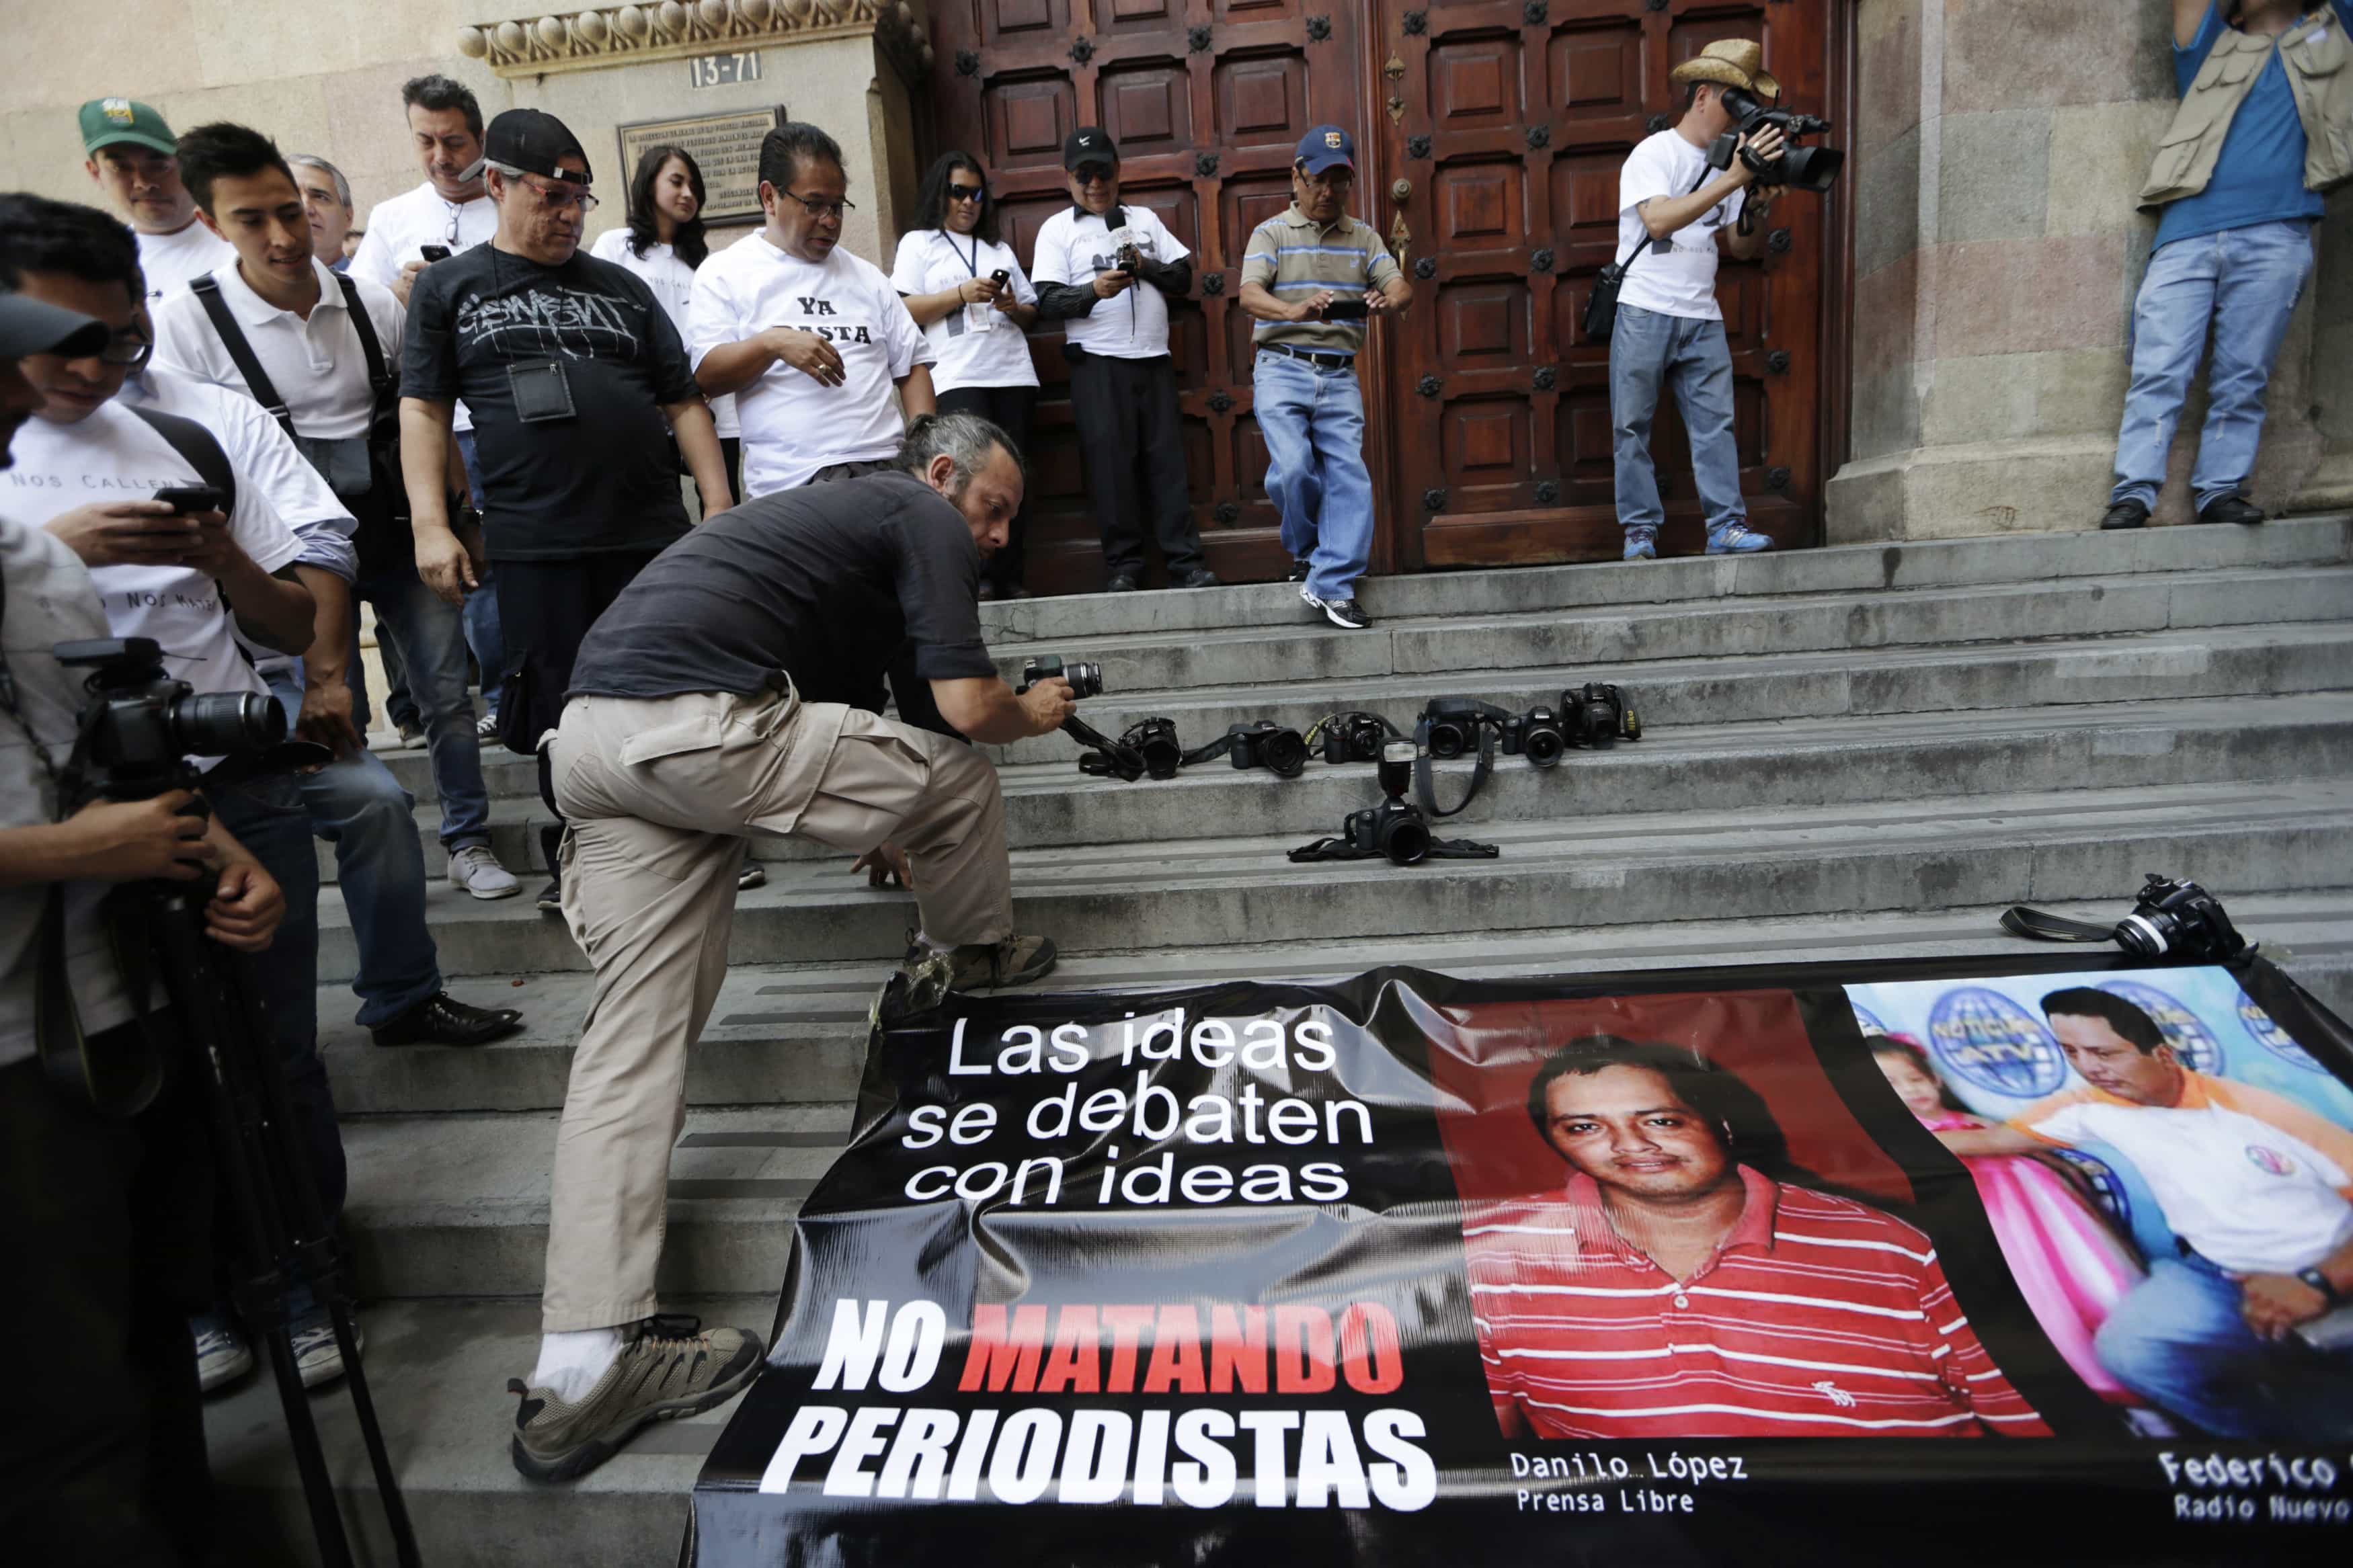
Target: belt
[(1321, 361)]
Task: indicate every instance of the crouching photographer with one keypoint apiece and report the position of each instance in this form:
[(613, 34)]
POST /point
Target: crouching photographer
[(106, 1220), (735, 690)]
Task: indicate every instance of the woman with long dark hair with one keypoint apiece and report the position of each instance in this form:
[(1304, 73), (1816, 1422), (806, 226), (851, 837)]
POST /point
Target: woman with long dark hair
[(948, 269), (663, 244)]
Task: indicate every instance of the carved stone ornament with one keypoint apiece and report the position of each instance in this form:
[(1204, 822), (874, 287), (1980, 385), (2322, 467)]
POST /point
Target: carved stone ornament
[(1213, 283), (1427, 387), (1547, 492), (1416, 23), (1198, 40), (679, 29), (1318, 28), (1204, 163), (1417, 146), (1220, 403), (1433, 499), (1426, 268)]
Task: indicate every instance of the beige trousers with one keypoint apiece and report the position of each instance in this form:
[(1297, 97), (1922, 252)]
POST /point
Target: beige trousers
[(659, 795)]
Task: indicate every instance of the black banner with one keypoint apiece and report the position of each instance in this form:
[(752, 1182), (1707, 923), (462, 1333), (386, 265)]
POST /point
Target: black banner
[(1929, 1261)]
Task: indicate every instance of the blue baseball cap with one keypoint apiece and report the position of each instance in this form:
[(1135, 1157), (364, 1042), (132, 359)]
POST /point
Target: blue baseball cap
[(1327, 147)]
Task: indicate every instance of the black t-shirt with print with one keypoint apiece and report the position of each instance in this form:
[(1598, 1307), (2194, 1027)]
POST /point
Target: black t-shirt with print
[(602, 477), (835, 585)]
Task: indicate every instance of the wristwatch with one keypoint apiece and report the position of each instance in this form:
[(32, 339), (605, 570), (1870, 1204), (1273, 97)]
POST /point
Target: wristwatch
[(2322, 1283)]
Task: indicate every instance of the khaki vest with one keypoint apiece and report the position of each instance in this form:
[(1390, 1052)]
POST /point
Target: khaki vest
[(2318, 56)]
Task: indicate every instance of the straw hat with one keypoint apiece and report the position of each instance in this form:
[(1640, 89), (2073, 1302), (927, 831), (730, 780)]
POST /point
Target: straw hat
[(1729, 63)]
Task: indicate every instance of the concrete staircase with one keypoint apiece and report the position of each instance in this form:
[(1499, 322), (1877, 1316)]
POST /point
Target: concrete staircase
[(1860, 751)]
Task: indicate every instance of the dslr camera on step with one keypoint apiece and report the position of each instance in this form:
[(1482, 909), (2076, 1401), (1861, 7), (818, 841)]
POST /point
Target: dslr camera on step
[(1395, 827), (1797, 168), (1354, 737), (1596, 714)]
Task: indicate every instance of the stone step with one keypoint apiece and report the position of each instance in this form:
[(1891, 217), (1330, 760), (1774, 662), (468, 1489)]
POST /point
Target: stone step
[(1594, 639), (794, 1033), (1929, 852), (438, 1370), (1798, 762), (1860, 568)]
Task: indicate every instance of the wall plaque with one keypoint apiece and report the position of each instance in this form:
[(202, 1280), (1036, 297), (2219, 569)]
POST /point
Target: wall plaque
[(726, 146)]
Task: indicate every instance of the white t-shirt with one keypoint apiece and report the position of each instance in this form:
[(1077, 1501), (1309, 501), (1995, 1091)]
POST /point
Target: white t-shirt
[(398, 229), (977, 345), (115, 455), (1680, 281), (1073, 246), (50, 601), (792, 424), (317, 365), (673, 281), (168, 260)]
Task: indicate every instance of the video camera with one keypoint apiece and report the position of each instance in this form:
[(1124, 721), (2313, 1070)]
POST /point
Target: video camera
[(142, 726), (1797, 168)]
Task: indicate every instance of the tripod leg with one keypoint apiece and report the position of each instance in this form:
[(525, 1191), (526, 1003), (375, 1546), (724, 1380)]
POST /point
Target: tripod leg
[(387, 1486)]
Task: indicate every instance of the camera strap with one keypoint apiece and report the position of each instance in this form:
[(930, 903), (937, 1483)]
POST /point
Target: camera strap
[(1119, 760), (2041, 925), (207, 288), (1440, 849), (197, 448), (1425, 786)]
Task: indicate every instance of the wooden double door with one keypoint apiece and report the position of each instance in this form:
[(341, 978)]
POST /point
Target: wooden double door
[(1490, 133)]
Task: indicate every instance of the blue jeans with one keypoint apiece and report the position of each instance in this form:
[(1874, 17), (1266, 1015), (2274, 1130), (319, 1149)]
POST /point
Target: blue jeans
[(1313, 422), (356, 805), (2243, 283), (2178, 1341), (430, 637), (1647, 351), (481, 612), (266, 815)]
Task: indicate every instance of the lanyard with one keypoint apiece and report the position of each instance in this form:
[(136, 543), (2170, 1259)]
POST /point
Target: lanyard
[(971, 265)]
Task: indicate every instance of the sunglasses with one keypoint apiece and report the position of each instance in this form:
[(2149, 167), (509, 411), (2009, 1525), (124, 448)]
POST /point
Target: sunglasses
[(968, 192), (127, 346), (556, 197), (1091, 175)]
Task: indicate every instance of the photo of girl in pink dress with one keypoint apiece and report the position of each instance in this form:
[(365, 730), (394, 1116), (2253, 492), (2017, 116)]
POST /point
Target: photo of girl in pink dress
[(2068, 1264)]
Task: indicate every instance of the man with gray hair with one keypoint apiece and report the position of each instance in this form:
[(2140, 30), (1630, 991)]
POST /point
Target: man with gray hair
[(735, 691), (327, 204)]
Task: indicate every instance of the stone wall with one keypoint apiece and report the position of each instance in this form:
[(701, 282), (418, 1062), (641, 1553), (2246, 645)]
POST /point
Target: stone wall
[(1999, 147), (320, 80)]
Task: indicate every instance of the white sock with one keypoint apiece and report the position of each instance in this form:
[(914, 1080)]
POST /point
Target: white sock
[(923, 939), (569, 1364)]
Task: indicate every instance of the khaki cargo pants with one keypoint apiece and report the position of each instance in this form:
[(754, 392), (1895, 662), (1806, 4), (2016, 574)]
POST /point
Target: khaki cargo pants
[(661, 795)]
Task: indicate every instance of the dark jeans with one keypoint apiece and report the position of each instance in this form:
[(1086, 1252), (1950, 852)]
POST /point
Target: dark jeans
[(545, 608), (1133, 445), (1009, 407), (266, 814), (107, 1229)]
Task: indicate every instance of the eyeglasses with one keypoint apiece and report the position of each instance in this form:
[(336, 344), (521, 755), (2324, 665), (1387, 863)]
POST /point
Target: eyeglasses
[(556, 197), (819, 209), (1091, 175), (127, 346), (968, 192)]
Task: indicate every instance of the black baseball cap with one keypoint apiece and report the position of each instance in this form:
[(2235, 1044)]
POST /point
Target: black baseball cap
[(37, 327), (533, 140), (1088, 144)]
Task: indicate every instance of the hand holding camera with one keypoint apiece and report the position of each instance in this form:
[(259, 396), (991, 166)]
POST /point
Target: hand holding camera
[(1758, 151)]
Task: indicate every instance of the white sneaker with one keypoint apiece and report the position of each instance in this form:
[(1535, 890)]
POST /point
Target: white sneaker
[(317, 1358), (477, 870), (222, 1354)]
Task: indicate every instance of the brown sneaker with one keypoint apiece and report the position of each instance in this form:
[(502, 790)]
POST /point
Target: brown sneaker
[(674, 1367), (1016, 961)]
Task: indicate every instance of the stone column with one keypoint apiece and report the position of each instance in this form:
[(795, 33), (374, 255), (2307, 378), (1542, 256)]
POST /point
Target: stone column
[(1999, 146)]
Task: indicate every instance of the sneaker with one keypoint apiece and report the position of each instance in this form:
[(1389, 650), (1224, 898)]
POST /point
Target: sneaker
[(1642, 544), (1016, 961), (1122, 582), (1347, 614), (222, 1354), (1298, 572), (1737, 538), (317, 1358), (751, 876), (674, 1367), (2125, 514), (2235, 509), (442, 1020), (551, 897), (476, 870), (1199, 577), (411, 738), (486, 727)]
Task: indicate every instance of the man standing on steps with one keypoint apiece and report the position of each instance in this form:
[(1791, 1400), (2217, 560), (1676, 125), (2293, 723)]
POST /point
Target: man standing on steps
[(278, 312), (1090, 259), (572, 368), (327, 204), (133, 157), (2265, 126), (1670, 333), (736, 690), (1298, 266)]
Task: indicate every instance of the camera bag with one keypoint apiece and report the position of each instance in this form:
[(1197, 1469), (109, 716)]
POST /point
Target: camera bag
[(1601, 305)]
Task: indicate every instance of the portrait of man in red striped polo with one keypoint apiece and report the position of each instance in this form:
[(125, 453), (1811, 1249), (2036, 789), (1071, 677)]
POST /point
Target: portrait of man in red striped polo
[(1670, 1288)]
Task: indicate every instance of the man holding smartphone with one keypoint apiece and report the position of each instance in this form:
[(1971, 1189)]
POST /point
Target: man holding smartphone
[(1312, 277)]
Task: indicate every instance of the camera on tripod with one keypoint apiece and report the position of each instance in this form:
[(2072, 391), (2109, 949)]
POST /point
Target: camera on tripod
[(141, 725), (1797, 168), (1395, 827), (1086, 679)]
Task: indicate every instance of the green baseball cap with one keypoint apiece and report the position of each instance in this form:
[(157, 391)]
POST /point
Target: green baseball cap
[(106, 121)]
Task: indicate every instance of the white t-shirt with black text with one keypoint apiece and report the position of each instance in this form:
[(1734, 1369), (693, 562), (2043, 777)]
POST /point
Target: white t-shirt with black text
[(673, 281), (1680, 281), (793, 426), (977, 345), (1073, 246), (168, 260)]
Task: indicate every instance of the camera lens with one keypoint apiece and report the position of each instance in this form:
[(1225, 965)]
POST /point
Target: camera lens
[(1283, 752), (1405, 839), (1086, 680), (1162, 756), (1545, 747), (1600, 724), (1448, 740), (223, 723)]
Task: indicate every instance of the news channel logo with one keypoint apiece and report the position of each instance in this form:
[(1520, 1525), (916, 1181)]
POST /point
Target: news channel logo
[(2192, 1040), (1986, 1039)]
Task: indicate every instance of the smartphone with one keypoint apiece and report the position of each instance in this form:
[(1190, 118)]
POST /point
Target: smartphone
[(1000, 277), (186, 498), (435, 252), (1345, 311)]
